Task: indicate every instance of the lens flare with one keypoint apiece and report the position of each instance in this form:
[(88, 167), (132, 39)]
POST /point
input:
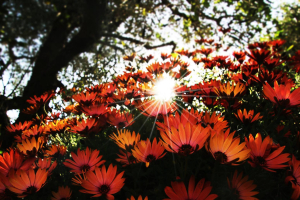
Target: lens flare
[(163, 88)]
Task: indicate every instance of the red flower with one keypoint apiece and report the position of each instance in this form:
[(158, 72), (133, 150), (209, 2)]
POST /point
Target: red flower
[(224, 30), (87, 127), (205, 51), (266, 76), (201, 191), (240, 56), (147, 58), (126, 158), (185, 117), (17, 129), (39, 101), (265, 154), (139, 198), (165, 56), (95, 110), (294, 177), (282, 95), (85, 98), (13, 161), (46, 164), (119, 119), (103, 182), (56, 150), (242, 187), (64, 193), (24, 184), (84, 161), (259, 55)]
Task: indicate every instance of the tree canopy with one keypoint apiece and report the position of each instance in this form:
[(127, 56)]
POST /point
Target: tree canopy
[(41, 38)]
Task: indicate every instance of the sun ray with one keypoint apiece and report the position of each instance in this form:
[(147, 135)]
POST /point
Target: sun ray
[(173, 157)]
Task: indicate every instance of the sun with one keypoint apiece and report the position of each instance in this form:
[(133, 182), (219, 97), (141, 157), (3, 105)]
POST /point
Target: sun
[(164, 87)]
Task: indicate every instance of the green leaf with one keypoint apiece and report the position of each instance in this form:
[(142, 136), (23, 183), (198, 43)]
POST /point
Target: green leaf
[(290, 47)]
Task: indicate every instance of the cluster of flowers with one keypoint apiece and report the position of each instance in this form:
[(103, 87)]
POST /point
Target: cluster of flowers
[(26, 166)]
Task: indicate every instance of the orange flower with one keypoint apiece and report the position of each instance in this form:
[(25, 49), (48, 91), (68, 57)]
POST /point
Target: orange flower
[(84, 161), (14, 161), (125, 139), (57, 126), (139, 198), (281, 95), (201, 191), (35, 131), (55, 150), (126, 158), (242, 187), (103, 182), (230, 91), (186, 139), (266, 154), (64, 193), (165, 56), (129, 58), (247, 117), (227, 149), (145, 152), (216, 123), (185, 116), (156, 108), (31, 146), (24, 184), (73, 109), (120, 120)]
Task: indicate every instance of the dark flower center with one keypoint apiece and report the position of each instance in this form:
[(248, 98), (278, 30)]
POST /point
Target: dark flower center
[(85, 168), (31, 189), (261, 161), (221, 157), (186, 149), (104, 189), (150, 158), (131, 159), (121, 124), (283, 102)]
